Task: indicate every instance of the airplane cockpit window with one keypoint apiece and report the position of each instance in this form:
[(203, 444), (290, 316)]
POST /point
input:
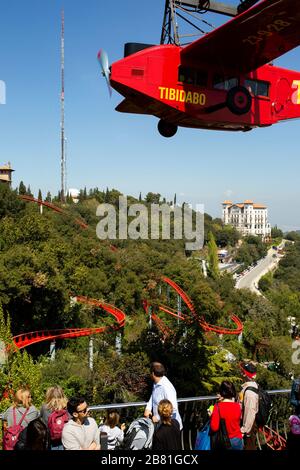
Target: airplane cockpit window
[(222, 83), (192, 76), (257, 87), (200, 78)]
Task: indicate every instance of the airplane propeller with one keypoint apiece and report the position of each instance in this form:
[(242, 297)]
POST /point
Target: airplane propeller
[(103, 60)]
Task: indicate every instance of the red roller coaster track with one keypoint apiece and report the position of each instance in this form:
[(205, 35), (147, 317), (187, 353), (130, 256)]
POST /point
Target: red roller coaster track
[(163, 327), (26, 339), (202, 322), (52, 207), (60, 211), (271, 438)]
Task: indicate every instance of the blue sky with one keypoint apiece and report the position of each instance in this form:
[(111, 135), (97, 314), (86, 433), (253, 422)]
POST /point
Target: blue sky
[(110, 149)]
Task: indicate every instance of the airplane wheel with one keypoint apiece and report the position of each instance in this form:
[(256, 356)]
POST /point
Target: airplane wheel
[(166, 129), (239, 100)]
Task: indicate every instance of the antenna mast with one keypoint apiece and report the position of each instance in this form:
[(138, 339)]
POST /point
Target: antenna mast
[(62, 104)]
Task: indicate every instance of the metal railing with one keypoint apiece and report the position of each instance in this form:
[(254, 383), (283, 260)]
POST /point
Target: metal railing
[(194, 415), (193, 411)]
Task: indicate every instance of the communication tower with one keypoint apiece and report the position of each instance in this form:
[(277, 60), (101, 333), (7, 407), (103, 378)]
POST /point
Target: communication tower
[(62, 107)]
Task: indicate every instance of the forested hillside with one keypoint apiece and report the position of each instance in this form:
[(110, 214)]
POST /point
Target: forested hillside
[(45, 259)]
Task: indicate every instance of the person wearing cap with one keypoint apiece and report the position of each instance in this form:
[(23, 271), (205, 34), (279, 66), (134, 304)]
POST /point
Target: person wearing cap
[(249, 401)]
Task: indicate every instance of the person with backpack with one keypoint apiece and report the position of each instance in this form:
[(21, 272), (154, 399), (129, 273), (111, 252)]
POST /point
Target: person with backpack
[(55, 415), (167, 433), (249, 401), (295, 395), (139, 435), (80, 432), (115, 434), (17, 417), (230, 411), (34, 437), (162, 389), (293, 438)]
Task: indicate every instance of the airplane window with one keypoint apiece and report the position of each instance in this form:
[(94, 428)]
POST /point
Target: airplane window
[(201, 78), (262, 88), (192, 76), (222, 83), (257, 87), (185, 75)]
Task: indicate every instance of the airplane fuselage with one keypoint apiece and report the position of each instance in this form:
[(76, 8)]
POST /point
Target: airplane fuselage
[(159, 82)]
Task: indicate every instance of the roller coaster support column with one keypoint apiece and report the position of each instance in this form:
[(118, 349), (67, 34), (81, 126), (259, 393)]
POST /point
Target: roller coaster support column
[(240, 337), (91, 353), (150, 317), (204, 268), (119, 343), (52, 350), (178, 308), (168, 293)]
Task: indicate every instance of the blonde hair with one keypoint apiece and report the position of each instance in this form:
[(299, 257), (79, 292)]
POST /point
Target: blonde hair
[(55, 398), (165, 410), (22, 397)]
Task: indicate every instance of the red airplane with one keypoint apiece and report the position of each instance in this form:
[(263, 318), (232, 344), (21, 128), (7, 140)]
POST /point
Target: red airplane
[(223, 81)]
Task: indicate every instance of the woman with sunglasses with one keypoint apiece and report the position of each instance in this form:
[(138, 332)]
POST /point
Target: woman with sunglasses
[(81, 432)]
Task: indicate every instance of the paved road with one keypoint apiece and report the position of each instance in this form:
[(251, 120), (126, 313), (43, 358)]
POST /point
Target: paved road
[(250, 279)]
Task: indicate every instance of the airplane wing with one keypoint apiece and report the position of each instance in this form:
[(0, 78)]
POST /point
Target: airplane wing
[(127, 106), (252, 39)]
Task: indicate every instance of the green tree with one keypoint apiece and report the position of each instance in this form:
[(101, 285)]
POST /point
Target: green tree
[(5, 330), (19, 370), (213, 262), (226, 236), (276, 232), (10, 204), (152, 198), (22, 188), (292, 236), (48, 197)]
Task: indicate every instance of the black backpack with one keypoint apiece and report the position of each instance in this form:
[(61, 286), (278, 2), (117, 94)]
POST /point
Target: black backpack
[(264, 405), (295, 391)]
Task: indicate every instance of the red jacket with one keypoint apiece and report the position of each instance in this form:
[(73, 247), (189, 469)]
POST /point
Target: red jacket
[(231, 412)]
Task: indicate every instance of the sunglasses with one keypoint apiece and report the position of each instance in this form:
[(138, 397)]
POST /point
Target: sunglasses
[(83, 411)]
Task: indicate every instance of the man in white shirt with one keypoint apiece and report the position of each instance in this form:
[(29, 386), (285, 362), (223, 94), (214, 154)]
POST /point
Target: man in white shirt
[(162, 390), (81, 432)]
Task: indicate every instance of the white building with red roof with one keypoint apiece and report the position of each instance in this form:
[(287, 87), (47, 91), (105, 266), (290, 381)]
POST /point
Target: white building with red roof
[(247, 217)]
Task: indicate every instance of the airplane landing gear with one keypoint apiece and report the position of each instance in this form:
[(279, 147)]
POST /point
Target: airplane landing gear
[(166, 129), (238, 100)]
